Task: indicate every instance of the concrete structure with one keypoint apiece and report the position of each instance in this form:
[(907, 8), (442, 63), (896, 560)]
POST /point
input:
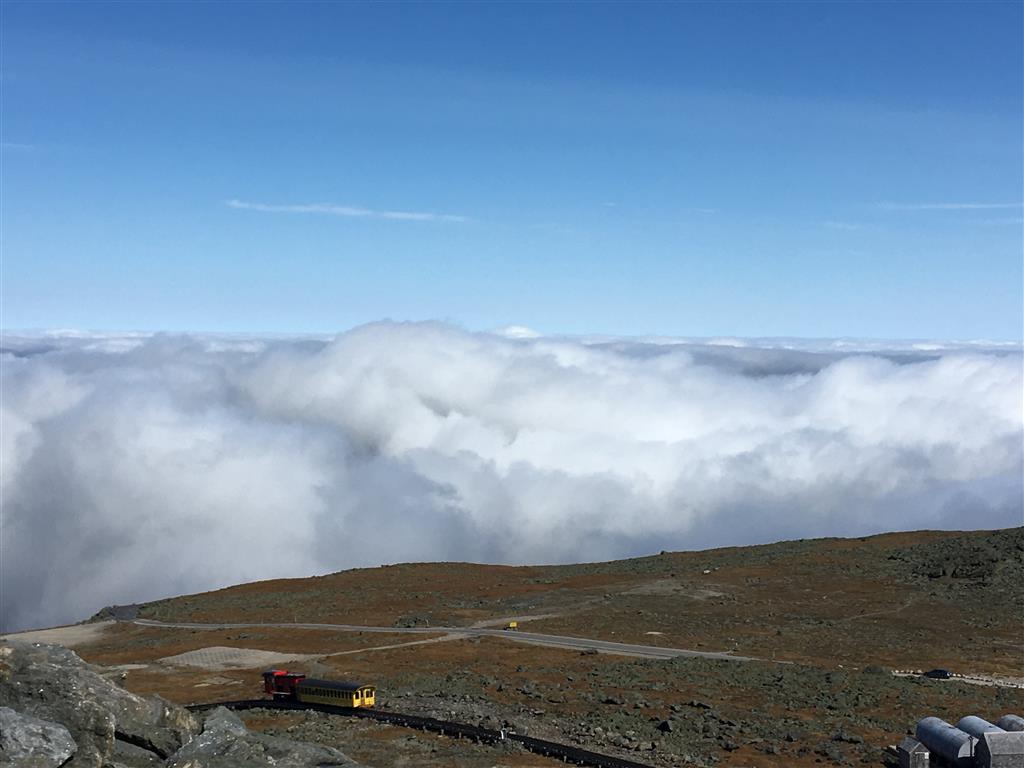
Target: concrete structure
[(946, 741), (1000, 749), (977, 726), (913, 754), (1011, 723)]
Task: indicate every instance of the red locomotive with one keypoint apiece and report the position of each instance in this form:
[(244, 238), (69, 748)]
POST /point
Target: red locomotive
[(281, 683)]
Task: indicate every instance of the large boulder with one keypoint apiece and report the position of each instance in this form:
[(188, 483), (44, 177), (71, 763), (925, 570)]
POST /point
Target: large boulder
[(226, 743), (56, 710), (30, 742), (52, 683)]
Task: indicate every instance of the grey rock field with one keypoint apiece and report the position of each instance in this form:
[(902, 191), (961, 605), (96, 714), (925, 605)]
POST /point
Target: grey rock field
[(27, 740), (56, 710), (225, 742)]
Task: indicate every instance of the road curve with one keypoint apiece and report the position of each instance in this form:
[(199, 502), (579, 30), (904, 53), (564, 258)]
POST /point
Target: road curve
[(518, 636)]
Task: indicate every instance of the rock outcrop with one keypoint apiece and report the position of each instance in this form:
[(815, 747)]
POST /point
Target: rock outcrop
[(56, 710), (53, 684), (30, 741), (225, 742)]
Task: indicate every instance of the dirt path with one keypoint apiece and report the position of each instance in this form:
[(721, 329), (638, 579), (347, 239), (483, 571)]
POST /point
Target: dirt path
[(884, 612), (972, 679), (444, 639), (519, 636)]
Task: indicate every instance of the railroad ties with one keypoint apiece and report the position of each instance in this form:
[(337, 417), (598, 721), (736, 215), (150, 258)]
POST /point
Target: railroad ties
[(563, 752)]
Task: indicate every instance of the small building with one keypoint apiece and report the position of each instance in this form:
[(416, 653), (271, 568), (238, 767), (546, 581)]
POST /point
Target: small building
[(1000, 750), (913, 754)]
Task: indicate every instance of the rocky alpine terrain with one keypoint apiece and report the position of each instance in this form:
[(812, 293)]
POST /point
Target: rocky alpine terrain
[(828, 624)]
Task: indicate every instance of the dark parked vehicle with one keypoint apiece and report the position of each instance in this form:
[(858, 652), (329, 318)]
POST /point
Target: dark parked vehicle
[(937, 674)]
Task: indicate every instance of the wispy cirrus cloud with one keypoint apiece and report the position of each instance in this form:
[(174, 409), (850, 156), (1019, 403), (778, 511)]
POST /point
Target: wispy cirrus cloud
[(1009, 220), (350, 211), (947, 206)]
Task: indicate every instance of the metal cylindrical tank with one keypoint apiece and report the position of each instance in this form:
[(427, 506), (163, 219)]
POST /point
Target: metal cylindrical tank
[(976, 726), (1011, 723), (948, 741)]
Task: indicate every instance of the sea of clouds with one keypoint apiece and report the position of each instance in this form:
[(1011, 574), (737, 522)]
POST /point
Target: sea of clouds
[(135, 466)]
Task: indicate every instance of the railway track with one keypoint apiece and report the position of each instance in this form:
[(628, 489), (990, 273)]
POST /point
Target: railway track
[(563, 752)]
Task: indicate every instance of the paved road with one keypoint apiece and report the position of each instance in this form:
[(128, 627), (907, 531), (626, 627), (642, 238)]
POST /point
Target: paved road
[(553, 641)]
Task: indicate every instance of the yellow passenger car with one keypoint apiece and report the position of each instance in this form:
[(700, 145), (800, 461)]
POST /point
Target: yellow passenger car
[(335, 694)]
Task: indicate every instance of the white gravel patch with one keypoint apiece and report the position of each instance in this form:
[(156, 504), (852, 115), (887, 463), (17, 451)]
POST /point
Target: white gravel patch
[(221, 657)]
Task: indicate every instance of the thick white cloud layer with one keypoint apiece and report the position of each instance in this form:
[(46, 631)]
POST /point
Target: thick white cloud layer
[(140, 466)]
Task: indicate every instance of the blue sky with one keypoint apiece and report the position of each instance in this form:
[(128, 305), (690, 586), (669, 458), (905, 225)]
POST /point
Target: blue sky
[(803, 169)]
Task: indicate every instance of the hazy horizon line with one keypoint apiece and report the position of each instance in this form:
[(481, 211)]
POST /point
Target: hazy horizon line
[(510, 331)]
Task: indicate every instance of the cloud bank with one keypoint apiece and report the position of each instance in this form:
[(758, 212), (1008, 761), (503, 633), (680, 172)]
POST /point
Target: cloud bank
[(137, 466)]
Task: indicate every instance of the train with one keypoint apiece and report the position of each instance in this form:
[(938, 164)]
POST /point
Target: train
[(294, 686)]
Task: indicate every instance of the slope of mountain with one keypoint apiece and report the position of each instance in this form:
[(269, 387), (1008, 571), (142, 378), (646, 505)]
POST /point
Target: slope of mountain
[(828, 621)]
